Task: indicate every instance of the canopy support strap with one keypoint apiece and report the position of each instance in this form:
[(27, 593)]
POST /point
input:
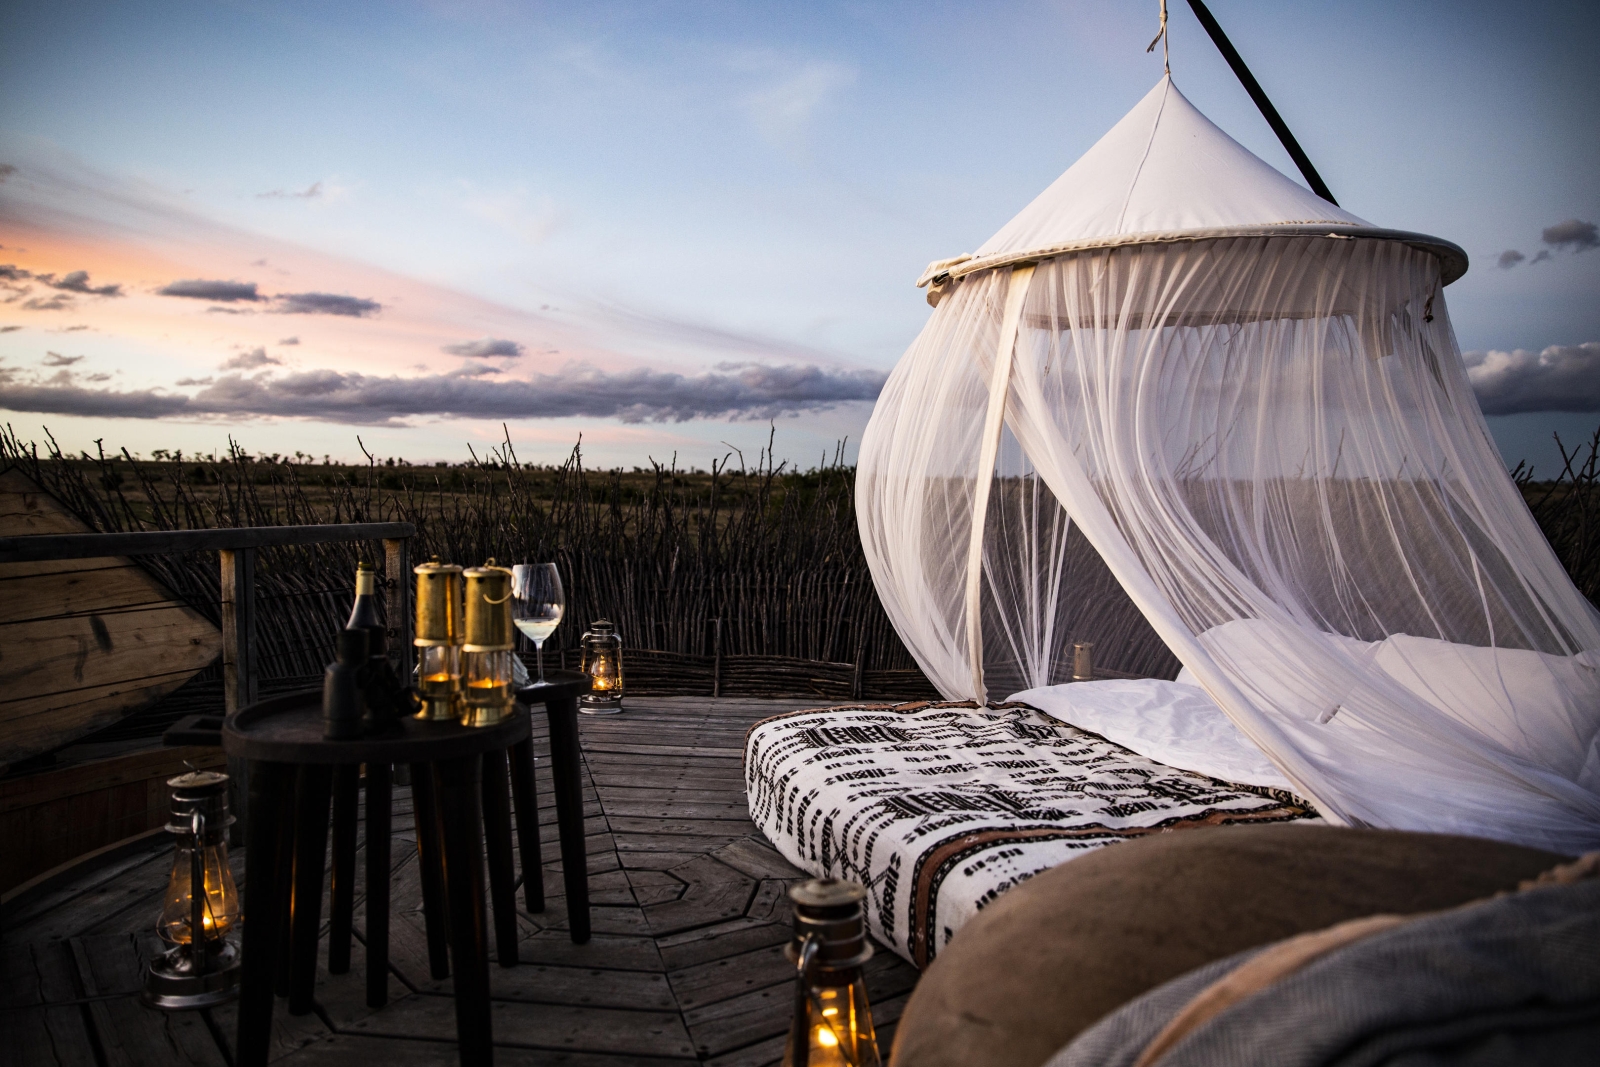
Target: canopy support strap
[(989, 451)]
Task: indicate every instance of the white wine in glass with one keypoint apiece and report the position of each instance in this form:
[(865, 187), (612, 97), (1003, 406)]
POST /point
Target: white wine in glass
[(537, 604)]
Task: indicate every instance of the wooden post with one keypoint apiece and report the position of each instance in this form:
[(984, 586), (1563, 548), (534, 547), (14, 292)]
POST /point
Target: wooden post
[(397, 569), (239, 688), (716, 657), (858, 683)]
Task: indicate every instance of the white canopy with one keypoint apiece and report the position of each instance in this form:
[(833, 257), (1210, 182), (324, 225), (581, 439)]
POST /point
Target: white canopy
[(1178, 369)]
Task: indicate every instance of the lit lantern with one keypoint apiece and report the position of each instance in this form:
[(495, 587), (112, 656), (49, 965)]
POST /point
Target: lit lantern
[(489, 693), (832, 1021), (201, 907), (602, 662), (438, 640)]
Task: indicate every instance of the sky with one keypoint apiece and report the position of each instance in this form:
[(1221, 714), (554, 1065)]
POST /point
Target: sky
[(672, 228)]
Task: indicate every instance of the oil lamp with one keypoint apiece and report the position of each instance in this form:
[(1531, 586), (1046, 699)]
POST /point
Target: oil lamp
[(438, 640), (602, 662), (1083, 662), (201, 906), (832, 1021), (486, 655)]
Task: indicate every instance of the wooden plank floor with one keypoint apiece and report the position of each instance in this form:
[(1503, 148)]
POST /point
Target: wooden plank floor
[(686, 962)]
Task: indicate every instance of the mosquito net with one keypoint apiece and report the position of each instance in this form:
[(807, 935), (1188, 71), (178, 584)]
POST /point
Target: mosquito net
[(1242, 432)]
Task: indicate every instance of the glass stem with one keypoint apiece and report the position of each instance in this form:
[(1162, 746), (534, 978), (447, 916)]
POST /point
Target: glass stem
[(538, 654)]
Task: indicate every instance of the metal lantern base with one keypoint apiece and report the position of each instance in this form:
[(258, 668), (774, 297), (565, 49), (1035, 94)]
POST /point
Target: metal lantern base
[(589, 705), (173, 984)]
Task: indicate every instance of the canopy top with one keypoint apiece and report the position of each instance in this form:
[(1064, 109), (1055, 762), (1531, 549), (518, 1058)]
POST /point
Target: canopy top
[(1167, 173)]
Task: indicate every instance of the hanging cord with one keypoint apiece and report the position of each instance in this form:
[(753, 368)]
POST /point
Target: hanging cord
[(1161, 39)]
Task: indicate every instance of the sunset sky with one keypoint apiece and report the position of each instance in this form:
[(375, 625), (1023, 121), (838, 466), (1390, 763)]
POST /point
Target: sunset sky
[(663, 225)]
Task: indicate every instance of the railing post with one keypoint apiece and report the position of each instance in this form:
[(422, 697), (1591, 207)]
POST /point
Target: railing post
[(716, 657), (239, 688), (397, 569)]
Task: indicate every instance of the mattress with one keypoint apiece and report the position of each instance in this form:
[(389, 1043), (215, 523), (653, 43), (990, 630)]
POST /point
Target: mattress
[(939, 808)]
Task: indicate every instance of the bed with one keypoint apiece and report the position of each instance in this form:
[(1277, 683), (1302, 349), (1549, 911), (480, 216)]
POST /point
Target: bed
[(938, 808)]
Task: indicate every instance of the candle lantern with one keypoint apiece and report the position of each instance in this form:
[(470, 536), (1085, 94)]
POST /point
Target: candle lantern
[(1083, 662), (486, 655), (438, 640), (832, 1021), (200, 911), (602, 662)]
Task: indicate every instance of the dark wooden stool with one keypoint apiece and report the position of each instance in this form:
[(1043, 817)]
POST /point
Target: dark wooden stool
[(459, 781)]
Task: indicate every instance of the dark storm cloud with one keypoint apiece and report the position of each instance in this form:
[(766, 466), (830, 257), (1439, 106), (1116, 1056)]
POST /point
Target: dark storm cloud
[(326, 304), (729, 391), (78, 282), (56, 359), (1561, 378), (251, 360), (1574, 234), (485, 348), (217, 291), (1510, 258)]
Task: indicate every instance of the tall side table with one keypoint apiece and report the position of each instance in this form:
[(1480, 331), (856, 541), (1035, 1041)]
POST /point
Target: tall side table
[(294, 775)]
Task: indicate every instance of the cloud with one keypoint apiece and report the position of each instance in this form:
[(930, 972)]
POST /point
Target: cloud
[(251, 360), (219, 310), (203, 289), (310, 192), (1544, 254), (485, 348), (12, 273), (1560, 378), (78, 282), (9, 329), (6, 171), (326, 304), (288, 340), (729, 391), (1510, 258), (53, 303), (74, 329), (194, 381), (1574, 234), (56, 359), (782, 110)]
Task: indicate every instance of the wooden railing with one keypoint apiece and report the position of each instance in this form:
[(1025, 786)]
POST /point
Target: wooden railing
[(236, 549)]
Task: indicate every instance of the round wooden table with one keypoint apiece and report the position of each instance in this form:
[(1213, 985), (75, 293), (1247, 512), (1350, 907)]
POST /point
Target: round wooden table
[(294, 772)]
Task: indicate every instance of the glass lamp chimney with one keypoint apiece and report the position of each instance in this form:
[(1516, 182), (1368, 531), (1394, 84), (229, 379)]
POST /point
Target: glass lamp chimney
[(486, 666), (832, 1020), (200, 909), (438, 640)]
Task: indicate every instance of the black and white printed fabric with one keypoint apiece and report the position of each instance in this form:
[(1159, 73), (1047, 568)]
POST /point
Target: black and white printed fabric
[(939, 808)]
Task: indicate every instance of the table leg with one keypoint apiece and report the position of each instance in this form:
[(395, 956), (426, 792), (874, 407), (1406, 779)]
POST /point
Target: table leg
[(342, 898), (497, 843), (567, 771), (526, 797), (459, 789), (379, 794), (285, 871), (431, 867), (310, 848), (270, 783)]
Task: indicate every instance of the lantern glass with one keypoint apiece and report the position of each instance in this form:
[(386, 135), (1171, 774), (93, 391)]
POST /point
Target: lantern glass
[(219, 908), (489, 690), (602, 662), (439, 680), (840, 1031)]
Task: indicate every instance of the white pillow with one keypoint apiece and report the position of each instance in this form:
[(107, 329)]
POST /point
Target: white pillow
[(1170, 722)]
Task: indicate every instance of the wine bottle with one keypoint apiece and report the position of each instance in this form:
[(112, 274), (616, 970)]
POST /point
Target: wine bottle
[(386, 699)]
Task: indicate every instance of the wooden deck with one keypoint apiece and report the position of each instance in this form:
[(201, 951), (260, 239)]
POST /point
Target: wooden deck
[(686, 961)]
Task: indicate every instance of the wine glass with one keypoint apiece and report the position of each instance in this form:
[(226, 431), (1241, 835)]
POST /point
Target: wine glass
[(537, 604)]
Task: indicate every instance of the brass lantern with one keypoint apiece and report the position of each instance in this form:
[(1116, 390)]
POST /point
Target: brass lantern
[(832, 1020), (489, 691), (602, 662), (438, 640), (200, 910)]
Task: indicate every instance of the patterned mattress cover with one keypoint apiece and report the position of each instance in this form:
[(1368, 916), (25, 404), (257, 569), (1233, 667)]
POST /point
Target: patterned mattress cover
[(938, 808)]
